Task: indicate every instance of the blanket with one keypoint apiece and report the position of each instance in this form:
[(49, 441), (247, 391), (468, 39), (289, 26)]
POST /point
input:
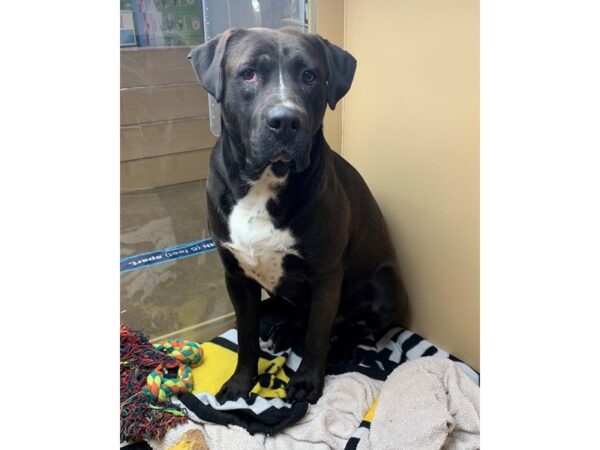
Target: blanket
[(266, 410), (426, 403)]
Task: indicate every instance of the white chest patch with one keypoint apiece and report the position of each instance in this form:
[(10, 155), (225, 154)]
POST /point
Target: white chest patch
[(257, 245)]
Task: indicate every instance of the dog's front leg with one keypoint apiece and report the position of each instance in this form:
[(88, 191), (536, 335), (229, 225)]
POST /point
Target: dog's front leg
[(307, 383), (245, 296)]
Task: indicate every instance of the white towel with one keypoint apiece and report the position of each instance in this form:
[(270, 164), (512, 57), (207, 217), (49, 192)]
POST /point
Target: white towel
[(428, 403), (327, 425), (334, 418)]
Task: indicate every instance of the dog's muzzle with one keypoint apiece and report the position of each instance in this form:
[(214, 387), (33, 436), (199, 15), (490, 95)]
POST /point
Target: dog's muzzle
[(287, 138)]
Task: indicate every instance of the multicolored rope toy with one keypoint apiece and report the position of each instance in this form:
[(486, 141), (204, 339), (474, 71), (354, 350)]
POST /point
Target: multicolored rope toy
[(141, 418), (167, 380)]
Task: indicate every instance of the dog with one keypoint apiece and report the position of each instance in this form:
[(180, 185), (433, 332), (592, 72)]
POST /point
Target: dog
[(288, 214)]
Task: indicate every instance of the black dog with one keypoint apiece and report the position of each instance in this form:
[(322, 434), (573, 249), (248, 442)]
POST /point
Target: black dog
[(288, 214)]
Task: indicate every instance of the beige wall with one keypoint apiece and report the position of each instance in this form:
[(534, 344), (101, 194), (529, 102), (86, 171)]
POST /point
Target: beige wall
[(329, 23), (411, 127)]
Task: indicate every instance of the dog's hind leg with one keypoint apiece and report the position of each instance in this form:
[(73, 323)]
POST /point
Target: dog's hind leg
[(287, 332), (285, 323), (370, 309)]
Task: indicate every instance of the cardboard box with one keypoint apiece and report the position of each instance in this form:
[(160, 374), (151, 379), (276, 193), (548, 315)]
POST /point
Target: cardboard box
[(164, 138), (164, 170), (166, 102), (165, 131), (155, 66)]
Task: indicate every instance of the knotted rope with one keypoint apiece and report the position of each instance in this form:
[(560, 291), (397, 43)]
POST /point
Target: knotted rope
[(167, 380)]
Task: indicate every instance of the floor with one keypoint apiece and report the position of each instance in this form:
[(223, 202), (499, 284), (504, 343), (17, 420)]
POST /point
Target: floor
[(162, 299)]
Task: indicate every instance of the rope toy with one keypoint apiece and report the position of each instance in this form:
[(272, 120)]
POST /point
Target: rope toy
[(165, 381)]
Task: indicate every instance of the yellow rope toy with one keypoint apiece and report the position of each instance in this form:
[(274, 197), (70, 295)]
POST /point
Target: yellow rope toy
[(163, 382)]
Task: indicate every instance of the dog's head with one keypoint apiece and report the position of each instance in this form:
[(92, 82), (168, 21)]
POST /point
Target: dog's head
[(273, 87)]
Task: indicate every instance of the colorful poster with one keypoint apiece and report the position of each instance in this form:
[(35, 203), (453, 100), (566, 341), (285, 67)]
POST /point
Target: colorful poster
[(167, 23), (127, 29)]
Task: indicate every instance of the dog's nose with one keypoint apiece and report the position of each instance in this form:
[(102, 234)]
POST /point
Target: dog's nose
[(284, 122)]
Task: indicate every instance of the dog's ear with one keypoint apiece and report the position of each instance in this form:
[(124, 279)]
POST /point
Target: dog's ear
[(208, 63), (341, 66)]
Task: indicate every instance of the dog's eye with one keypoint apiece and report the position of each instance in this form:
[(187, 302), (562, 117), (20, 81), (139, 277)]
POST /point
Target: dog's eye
[(308, 76), (249, 75)]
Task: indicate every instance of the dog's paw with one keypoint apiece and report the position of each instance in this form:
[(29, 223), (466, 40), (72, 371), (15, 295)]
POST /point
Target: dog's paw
[(236, 388), (282, 336), (305, 387)]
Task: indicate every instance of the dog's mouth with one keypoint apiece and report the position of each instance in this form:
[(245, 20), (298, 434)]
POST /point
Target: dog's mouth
[(280, 168), (282, 164), (291, 157), (281, 158)]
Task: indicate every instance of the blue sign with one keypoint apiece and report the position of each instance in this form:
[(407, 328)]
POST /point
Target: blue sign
[(165, 255)]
